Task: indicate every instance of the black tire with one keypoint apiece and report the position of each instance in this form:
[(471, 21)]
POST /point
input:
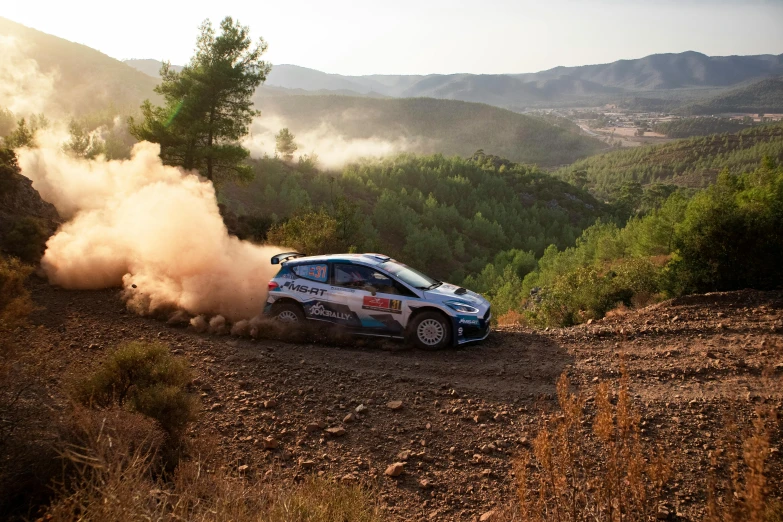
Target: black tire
[(290, 312), (430, 331)]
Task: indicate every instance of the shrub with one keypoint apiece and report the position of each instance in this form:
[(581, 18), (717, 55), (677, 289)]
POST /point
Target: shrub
[(26, 239), (314, 232), (15, 302), (730, 237), (9, 170), (143, 377), (589, 292)]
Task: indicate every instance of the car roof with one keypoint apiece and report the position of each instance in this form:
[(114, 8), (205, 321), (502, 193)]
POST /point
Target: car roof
[(365, 259)]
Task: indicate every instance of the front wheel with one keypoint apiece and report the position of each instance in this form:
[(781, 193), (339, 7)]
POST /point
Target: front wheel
[(430, 331), (287, 313)]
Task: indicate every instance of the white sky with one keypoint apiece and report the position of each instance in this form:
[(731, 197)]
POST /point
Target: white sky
[(420, 36)]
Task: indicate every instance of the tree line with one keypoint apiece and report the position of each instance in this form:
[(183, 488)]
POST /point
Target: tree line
[(693, 162), (726, 237)]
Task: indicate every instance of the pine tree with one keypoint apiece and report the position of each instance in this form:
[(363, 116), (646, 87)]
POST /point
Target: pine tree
[(285, 144), (208, 106)]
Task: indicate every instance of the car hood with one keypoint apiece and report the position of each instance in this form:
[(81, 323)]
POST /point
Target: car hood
[(446, 292)]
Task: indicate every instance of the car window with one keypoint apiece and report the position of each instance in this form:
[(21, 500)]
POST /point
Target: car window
[(408, 275), (358, 276), (318, 272)]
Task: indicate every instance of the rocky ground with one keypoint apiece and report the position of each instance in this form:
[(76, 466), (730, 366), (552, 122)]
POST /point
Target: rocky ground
[(453, 420)]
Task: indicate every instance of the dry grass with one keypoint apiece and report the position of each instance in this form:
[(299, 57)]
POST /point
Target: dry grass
[(618, 311), (511, 318), (597, 468), (738, 487), (601, 474), (119, 463), (15, 302), (113, 479)]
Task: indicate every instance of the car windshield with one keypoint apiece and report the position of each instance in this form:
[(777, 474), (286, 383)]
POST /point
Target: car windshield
[(410, 276)]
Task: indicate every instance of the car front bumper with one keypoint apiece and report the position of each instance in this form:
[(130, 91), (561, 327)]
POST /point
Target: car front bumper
[(472, 329)]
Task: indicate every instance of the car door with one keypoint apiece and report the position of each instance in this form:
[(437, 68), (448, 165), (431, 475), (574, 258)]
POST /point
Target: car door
[(311, 286), (380, 303)]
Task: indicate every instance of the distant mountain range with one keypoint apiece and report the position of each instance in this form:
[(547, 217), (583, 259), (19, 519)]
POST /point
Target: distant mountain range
[(407, 108), (690, 75), (89, 82)]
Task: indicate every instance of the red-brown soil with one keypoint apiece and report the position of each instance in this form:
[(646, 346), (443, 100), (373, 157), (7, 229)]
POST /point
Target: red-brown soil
[(694, 363)]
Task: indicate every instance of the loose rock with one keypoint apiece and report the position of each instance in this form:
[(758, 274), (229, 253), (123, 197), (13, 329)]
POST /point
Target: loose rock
[(394, 470)]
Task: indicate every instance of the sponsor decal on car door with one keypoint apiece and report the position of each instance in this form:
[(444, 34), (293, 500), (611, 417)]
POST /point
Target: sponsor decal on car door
[(382, 304), (360, 289)]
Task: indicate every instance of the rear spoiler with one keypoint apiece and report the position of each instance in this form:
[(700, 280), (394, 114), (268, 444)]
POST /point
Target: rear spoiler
[(285, 256)]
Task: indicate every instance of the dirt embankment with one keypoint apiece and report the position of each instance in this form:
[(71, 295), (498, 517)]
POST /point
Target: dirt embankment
[(456, 418)]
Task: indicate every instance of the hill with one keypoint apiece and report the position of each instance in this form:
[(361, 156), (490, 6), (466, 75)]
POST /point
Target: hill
[(429, 125), (84, 79), (702, 126), (448, 216), (765, 96), (149, 67), (87, 81), (693, 162)]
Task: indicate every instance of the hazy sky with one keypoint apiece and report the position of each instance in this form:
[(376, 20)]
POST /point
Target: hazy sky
[(421, 36)]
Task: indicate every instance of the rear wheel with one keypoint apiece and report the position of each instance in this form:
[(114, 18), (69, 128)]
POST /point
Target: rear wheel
[(430, 331), (288, 313)]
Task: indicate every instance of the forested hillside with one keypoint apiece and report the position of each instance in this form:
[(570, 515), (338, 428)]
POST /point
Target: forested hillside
[(430, 125), (693, 162), (85, 80), (762, 97), (690, 127), (726, 237), (448, 216)]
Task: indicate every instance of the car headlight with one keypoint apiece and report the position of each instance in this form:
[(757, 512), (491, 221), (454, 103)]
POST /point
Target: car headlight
[(459, 306)]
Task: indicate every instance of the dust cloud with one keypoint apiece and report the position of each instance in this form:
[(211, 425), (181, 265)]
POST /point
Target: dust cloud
[(333, 149), (24, 89), (155, 230)]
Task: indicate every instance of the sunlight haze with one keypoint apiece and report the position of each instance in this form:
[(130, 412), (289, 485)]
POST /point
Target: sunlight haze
[(414, 37)]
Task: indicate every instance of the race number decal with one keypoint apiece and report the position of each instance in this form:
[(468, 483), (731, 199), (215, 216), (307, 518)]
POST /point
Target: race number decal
[(315, 272)]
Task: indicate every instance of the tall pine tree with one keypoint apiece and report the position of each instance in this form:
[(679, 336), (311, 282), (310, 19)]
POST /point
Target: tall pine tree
[(208, 106)]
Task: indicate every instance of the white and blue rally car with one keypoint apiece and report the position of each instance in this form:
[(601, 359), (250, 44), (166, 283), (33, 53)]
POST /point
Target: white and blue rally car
[(372, 294)]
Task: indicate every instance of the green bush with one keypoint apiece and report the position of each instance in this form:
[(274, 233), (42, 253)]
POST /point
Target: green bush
[(26, 239), (142, 377), (9, 170), (731, 235), (312, 232), (589, 292)]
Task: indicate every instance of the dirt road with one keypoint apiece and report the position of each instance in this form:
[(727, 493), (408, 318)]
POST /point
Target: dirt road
[(455, 418)]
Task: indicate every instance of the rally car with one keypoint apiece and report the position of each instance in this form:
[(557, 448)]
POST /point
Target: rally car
[(372, 294)]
